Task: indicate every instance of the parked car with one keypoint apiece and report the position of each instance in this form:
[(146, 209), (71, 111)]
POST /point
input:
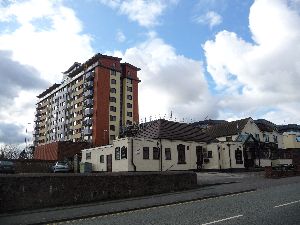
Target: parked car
[(61, 167), (7, 166)]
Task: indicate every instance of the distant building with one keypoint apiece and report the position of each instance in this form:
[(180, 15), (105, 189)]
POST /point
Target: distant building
[(94, 101)]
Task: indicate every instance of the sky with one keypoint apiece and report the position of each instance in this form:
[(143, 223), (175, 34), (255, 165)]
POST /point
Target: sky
[(199, 59)]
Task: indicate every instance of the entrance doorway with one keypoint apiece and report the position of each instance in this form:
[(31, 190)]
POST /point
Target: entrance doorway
[(109, 163), (199, 154)]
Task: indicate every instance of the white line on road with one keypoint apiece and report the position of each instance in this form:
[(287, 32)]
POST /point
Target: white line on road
[(217, 221), (289, 203)]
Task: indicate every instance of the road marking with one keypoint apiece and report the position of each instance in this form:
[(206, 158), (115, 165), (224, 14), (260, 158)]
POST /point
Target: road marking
[(289, 203), (218, 221)]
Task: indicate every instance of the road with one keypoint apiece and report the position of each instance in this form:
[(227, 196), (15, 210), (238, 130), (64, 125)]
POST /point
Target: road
[(273, 205)]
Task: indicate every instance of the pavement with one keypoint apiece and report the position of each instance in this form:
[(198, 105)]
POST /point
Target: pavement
[(210, 185)]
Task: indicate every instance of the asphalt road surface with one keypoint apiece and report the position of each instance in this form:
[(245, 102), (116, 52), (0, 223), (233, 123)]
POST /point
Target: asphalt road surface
[(274, 205)]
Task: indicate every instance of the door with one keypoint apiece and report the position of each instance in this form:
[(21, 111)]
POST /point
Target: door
[(199, 155), (109, 163)]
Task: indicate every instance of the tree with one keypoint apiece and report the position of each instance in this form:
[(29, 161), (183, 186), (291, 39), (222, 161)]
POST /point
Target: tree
[(10, 151)]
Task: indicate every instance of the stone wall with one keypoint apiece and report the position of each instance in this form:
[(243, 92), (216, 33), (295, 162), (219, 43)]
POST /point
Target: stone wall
[(29, 191)]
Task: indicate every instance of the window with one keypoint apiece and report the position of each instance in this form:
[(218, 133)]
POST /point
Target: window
[(229, 138), (238, 156), (113, 108), (257, 137), (129, 105), (155, 153), (113, 90), (266, 137), (298, 138), (113, 81), (113, 118), (88, 155), (181, 154), (209, 154), (129, 97), (113, 72), (275, 138), (129, 89), (167, 153), (101, 158), (112, 137), (129, 114), (112, 99), (128, 122), (123, 152), (145, 152), (112, 127), (117, 153)]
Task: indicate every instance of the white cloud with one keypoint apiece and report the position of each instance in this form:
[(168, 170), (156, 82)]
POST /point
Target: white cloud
[(145, 12), (210, 18), (263, 74), (120, 36), (45, 36), (170, 82)]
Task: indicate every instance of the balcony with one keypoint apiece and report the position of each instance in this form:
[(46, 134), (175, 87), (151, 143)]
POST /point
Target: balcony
[(88, 93), (87, 122), (88, 112), (89, 76), (89, 85), (87, 131), (88, 102)]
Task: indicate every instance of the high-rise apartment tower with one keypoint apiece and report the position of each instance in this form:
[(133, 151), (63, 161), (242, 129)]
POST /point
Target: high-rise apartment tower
[(94, 101)]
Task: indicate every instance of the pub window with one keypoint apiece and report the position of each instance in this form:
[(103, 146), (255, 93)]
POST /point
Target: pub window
[(129, 97), (266, 138), (123, 152), (117, 153), (113, 90), (129, 105), (145, 152), (155, 153), (129, 89), (275, 138), (209, 154), (88, 155), (257, 137), (167, 153), (113, 81), (229, 138), (238, 156), (129, 114), (101, 158), (181, 154)]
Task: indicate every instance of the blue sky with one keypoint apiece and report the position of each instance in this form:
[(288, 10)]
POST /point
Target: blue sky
[(218, 59)]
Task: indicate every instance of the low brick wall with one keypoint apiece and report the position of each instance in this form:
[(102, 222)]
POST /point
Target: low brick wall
[(22, 192), (33, 166), (272, 173)]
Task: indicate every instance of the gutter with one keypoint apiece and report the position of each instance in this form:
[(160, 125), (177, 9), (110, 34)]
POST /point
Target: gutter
[(132, 161)]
